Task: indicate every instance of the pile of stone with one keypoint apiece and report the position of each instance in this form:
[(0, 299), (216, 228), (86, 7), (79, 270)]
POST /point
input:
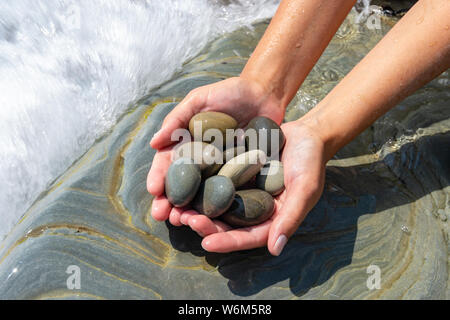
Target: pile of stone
[(235, 183)]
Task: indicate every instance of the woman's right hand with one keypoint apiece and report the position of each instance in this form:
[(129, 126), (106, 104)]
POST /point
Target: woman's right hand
[(238, 97)]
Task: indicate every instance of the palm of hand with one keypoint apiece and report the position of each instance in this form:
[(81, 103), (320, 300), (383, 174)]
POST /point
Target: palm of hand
[(233, 96), (237, 98)]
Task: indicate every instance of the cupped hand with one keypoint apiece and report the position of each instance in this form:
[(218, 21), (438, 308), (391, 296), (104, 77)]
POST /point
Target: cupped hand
[(240, 98), (304, 162)]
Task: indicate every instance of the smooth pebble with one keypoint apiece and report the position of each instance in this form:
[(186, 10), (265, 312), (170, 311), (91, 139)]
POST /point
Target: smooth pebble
[(249, 207), (271, 178), (207, 156), (214, 196), (259, 132), (243, 167), (211, 120), (182, 181)]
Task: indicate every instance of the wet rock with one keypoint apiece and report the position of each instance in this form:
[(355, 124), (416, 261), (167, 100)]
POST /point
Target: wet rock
[(249, 207), (271, 178), (211, 120), (207, 156), (182, 181), (214, 196), (211, 170), (259, 133), (242, 168), (96, 215)]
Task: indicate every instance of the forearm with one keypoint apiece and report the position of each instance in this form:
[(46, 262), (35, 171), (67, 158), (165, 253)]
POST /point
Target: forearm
[(415, 51), (293, 42)]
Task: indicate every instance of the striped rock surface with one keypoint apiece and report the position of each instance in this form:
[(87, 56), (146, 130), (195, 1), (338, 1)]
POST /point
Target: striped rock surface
[(386, 203)]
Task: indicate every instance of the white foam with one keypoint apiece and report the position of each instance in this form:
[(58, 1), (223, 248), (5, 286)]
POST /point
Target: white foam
[(69, 69)]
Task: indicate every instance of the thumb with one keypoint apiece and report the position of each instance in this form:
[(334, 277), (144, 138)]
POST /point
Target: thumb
[(179, 117), (298, 201)]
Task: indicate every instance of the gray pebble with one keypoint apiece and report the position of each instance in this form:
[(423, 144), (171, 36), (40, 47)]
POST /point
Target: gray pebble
[(207, 156), (214, 196), (262, 129), (182, 181), (249, 207)]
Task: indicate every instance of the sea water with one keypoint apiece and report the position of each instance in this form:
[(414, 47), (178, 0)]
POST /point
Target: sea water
[(70, 68)]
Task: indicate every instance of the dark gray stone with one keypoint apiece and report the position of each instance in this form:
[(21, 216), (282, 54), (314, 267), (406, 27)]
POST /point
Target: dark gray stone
[(249, 208), (214, 196), (263, 129)]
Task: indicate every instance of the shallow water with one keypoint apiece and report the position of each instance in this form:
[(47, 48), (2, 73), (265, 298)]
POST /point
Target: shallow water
[(386, 203), (70, 69)]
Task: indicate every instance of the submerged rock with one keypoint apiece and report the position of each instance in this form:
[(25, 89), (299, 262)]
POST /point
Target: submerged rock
[(96, 216)]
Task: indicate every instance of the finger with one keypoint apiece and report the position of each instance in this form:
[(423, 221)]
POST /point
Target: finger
[(237, 239), (161, 208), (298, 201), (174, 216), (184, 219), (157, 173), (178, 118), (205, 226)]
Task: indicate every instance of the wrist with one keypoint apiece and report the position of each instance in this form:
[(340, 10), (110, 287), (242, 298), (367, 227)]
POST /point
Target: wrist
[(318, 123), (262, 93)]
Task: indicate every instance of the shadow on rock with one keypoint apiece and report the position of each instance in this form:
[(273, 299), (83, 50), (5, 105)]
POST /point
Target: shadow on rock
[(325, 242)]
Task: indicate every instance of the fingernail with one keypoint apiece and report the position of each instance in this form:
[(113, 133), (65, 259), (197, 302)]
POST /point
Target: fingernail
[(279, 244), (156, 134), (184, 219), (205, 244), (201, 234)]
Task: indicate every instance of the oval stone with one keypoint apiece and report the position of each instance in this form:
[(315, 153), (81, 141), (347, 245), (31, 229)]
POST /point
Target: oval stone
[(211, 170), (271, 178), (211, 120), (214, 196), (182, 181), (207, 156), (259, 133), (243, 167), (249, 207)]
